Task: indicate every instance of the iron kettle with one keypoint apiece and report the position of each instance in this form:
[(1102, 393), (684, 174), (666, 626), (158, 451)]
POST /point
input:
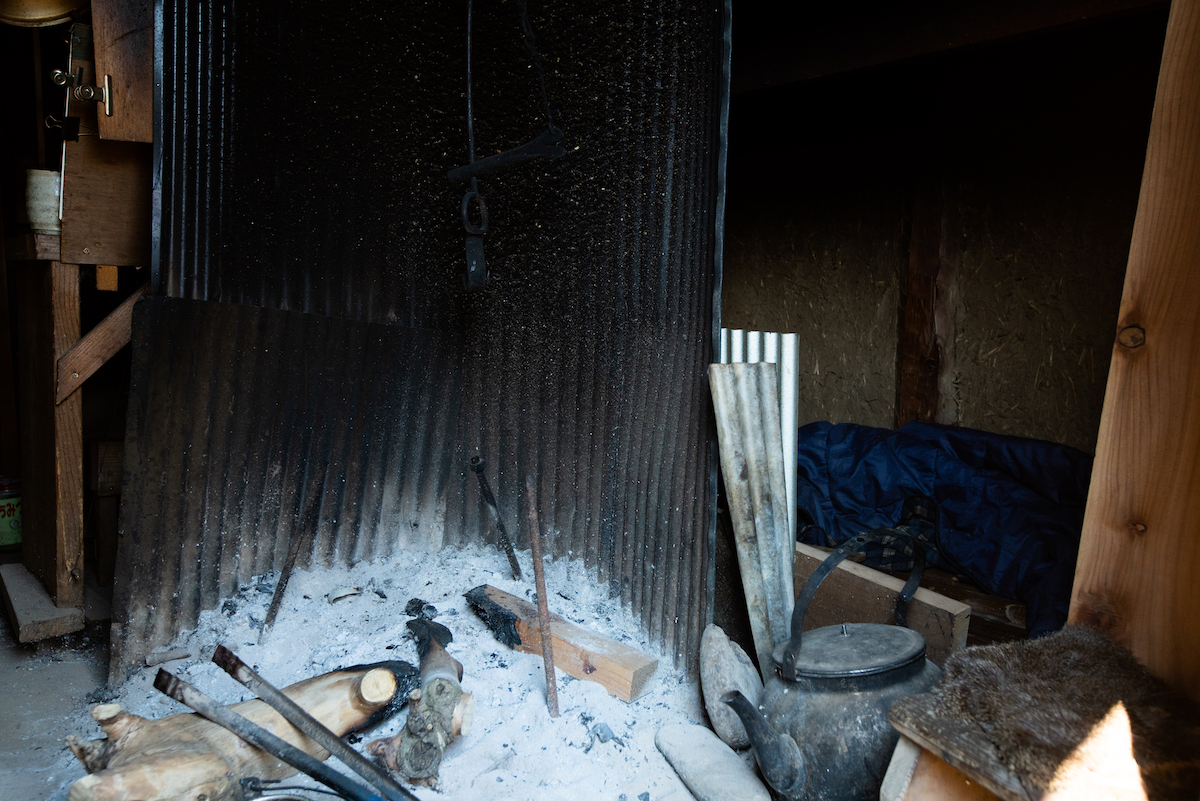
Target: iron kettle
[(820, 732)]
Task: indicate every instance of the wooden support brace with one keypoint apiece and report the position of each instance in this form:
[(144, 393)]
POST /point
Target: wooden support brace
[(855, 593), (101, 343), (578, 652), (32, 247)]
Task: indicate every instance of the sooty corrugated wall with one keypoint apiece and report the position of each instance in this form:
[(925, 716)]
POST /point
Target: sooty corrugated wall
[(300, 168)]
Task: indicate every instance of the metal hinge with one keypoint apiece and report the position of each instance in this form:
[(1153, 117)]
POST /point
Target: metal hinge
[(81, 91)]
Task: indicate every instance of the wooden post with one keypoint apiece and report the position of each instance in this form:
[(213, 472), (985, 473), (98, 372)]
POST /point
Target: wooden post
[(51, 435), (919, 363), (1140, 556)]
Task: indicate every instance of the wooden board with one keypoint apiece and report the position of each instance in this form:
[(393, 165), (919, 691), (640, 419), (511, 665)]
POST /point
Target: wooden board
[(47, 297), (961, 745), (32, 247), (33, 615), (917, 775), (123, 32), (87, 355), (1140, 554), (855, 593), (578, 652), (106, 191)]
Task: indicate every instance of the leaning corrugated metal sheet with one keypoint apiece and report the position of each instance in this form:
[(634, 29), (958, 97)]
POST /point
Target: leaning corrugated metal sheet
[(583, 364)]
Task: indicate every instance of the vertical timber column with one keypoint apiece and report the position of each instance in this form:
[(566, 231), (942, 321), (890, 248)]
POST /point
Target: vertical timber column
[(68, 447), (1138, 575)]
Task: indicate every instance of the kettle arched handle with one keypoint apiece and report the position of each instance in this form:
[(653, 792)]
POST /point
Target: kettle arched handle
[(852, 545)]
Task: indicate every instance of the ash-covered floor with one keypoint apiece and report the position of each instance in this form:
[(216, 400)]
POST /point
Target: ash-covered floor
[(599, 747)]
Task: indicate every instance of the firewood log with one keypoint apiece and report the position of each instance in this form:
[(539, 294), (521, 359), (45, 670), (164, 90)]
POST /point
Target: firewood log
[(187, 758)]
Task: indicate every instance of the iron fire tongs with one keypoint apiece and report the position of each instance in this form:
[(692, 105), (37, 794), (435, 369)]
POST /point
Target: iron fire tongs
[(544, 145)]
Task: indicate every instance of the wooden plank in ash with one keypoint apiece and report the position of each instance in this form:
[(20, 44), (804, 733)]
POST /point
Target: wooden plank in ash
[(578, 652)]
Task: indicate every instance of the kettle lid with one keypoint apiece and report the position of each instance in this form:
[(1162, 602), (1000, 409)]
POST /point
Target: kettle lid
[(854, 649)]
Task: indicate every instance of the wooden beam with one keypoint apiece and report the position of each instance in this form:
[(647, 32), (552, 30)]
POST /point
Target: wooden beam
[(32, 247), (33, 615), (919, 361), (87, 355), (855, 593), (1140, 554), (51, 435), (578, 652)]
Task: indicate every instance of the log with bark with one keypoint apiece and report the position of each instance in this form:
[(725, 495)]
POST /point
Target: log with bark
[(187, 758)]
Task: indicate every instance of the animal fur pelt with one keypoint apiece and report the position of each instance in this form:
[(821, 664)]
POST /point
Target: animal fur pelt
[(1038, 700)]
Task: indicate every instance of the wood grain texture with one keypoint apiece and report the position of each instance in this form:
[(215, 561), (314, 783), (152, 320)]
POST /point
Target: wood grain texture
[(578, 652), (32, 247), (87, 355), (855, 593), (123, 35), (963, 746), (68, 446), (1140, 552), (47, 296), (33, 615), (106, 192), (934, 780), (919, 362)]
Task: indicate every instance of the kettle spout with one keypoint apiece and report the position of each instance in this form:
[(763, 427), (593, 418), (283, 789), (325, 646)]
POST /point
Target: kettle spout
[(777, 754)]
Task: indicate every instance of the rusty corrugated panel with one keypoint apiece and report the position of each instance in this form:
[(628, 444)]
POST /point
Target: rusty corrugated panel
[(301, 166)]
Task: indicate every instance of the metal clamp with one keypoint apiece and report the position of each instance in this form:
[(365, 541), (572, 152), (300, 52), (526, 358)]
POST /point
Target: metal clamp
[(81, 91)]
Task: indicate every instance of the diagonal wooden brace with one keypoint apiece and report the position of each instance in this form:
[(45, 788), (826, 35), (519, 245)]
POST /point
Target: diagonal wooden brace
[(98, 346)]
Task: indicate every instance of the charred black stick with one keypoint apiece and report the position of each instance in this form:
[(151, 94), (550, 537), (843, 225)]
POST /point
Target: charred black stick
[(310, 520), (296, 715), (223, 716), (477, 464), (539, 580)]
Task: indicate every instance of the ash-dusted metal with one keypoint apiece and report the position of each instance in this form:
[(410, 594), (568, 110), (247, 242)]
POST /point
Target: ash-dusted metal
[(820, 731)]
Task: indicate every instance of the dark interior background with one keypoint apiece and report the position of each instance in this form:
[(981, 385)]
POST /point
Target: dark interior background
[(1036, 143)]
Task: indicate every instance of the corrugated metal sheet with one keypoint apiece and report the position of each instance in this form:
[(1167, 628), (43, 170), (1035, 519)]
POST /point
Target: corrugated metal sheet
[(778, 349), (746, 400), (300, 166)]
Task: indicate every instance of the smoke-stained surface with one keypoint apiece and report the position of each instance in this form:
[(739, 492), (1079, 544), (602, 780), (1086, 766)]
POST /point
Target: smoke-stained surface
[(303, 153)]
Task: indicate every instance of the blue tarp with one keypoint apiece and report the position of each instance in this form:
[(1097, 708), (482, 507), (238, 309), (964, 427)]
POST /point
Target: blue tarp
[(1011, 508)]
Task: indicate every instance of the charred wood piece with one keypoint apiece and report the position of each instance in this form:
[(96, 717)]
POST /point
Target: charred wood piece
[(439, 712)]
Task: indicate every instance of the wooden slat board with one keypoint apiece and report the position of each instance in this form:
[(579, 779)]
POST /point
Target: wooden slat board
[(123, 32), (106, 192), (1139, 560), (578, 652), (961, 745), (855, 593)]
